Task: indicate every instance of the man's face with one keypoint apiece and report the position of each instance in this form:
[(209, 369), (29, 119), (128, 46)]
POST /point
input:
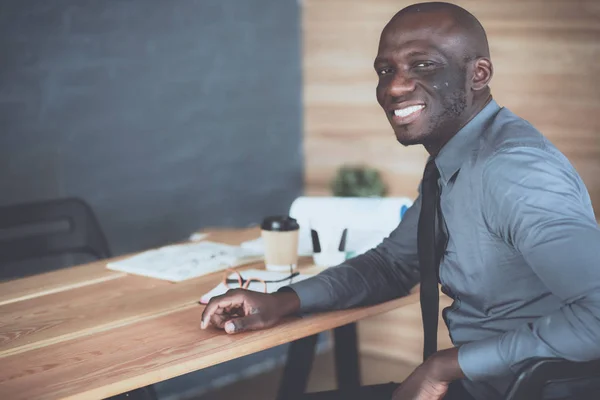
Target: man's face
[(422, 78)]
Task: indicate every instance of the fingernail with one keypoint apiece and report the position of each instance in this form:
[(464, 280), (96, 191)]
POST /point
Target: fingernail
[(202, 325), (229, 327)]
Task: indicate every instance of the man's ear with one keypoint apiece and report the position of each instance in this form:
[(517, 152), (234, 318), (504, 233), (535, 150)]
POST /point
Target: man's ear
[(483, 70)]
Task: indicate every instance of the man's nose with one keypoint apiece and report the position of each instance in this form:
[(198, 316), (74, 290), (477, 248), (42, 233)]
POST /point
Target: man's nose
[(400, 85)]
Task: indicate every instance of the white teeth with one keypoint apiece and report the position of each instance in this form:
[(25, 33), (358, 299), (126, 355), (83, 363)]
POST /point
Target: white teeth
[(405, 112)]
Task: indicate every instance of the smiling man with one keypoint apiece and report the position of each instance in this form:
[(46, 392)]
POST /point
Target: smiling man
[(426, 53), (503, 222)]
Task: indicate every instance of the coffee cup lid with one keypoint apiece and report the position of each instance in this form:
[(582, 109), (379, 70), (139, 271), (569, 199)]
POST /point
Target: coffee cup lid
[(279, 223)]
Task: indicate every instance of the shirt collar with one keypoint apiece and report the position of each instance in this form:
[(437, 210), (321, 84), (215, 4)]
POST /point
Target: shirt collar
[(452, 155)]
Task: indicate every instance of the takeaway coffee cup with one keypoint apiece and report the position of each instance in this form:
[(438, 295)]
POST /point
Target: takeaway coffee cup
[(280, 237)]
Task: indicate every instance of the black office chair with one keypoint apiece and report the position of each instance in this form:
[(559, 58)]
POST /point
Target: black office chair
[(56, 227), (532, 378), (49, 228)]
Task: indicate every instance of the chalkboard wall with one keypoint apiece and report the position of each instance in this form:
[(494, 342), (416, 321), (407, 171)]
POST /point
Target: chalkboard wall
[(165, 116)]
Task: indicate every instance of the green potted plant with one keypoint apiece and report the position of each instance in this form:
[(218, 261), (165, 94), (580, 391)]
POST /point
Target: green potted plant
[(358, 181)]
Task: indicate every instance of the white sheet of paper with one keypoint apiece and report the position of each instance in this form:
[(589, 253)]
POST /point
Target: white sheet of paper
[(255, 286), (177, 263)]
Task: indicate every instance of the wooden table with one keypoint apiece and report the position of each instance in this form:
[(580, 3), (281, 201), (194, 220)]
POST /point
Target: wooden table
[(87, 332)]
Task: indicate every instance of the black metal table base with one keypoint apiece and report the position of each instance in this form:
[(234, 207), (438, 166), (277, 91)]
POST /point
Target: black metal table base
[(300, 357), (347, 365), (297, 368)]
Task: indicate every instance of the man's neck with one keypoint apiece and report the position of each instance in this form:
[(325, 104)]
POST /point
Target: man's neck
[(435, 146)]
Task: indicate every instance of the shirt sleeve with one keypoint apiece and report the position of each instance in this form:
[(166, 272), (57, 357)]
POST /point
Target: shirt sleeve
[(385, 272), (535, 201)]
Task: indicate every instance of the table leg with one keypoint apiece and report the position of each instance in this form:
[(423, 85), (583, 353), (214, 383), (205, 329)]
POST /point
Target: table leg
[(297, 368), (347, 364), (145, 393)]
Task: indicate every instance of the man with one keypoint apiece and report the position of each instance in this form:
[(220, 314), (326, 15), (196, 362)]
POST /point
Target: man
[(522, 247)]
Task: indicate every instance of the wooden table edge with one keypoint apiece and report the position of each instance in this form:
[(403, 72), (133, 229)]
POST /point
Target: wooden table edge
[(62, 288), (284, 333)]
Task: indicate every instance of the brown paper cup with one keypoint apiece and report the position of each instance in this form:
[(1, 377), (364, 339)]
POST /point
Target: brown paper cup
[(281, 250)]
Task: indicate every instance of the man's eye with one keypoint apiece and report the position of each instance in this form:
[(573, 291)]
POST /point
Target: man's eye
[(384, 71), (424, 64)]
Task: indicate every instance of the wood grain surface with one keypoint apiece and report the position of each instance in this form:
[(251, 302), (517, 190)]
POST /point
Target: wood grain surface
[(56, 281), (398, 335), (545, 55), (150, 351), (96, 333)]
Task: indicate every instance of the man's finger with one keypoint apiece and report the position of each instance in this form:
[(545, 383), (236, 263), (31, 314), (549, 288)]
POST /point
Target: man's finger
[(226, 300), (243, 324), (219, 320)]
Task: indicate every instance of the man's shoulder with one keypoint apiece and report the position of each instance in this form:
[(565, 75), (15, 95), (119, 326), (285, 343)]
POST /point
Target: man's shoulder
[(508, 136), (512, 149), (507, 130)]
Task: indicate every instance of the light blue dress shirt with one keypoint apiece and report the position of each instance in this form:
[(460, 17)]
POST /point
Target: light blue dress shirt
[(522, 262)]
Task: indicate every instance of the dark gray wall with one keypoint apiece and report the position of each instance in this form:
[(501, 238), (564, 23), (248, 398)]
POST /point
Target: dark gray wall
[(166, 116)]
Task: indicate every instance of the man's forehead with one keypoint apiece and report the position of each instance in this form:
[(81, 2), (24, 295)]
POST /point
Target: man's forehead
[(438, 33), (410, 47), (439, 21)]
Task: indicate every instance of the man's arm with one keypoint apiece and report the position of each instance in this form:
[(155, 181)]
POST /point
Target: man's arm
[(536, 202), (388, 271)]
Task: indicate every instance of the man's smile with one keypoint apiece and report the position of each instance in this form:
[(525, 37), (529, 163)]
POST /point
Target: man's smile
[(402, 115)]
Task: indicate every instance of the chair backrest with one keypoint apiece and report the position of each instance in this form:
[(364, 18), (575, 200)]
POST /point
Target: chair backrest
[(47, 228), (532, 378)]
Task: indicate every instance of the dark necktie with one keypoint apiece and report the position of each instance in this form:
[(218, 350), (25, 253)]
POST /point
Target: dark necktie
[(430, 253)]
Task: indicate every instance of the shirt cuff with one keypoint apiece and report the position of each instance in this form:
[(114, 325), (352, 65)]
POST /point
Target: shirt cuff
[(481, 359), (313, 293)]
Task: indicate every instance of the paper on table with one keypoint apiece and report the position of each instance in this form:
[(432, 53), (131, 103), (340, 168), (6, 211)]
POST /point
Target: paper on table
[(177, 263), (255, 286)]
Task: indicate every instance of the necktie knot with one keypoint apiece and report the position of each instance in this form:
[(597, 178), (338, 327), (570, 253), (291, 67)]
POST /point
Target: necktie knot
[(431, 171)]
